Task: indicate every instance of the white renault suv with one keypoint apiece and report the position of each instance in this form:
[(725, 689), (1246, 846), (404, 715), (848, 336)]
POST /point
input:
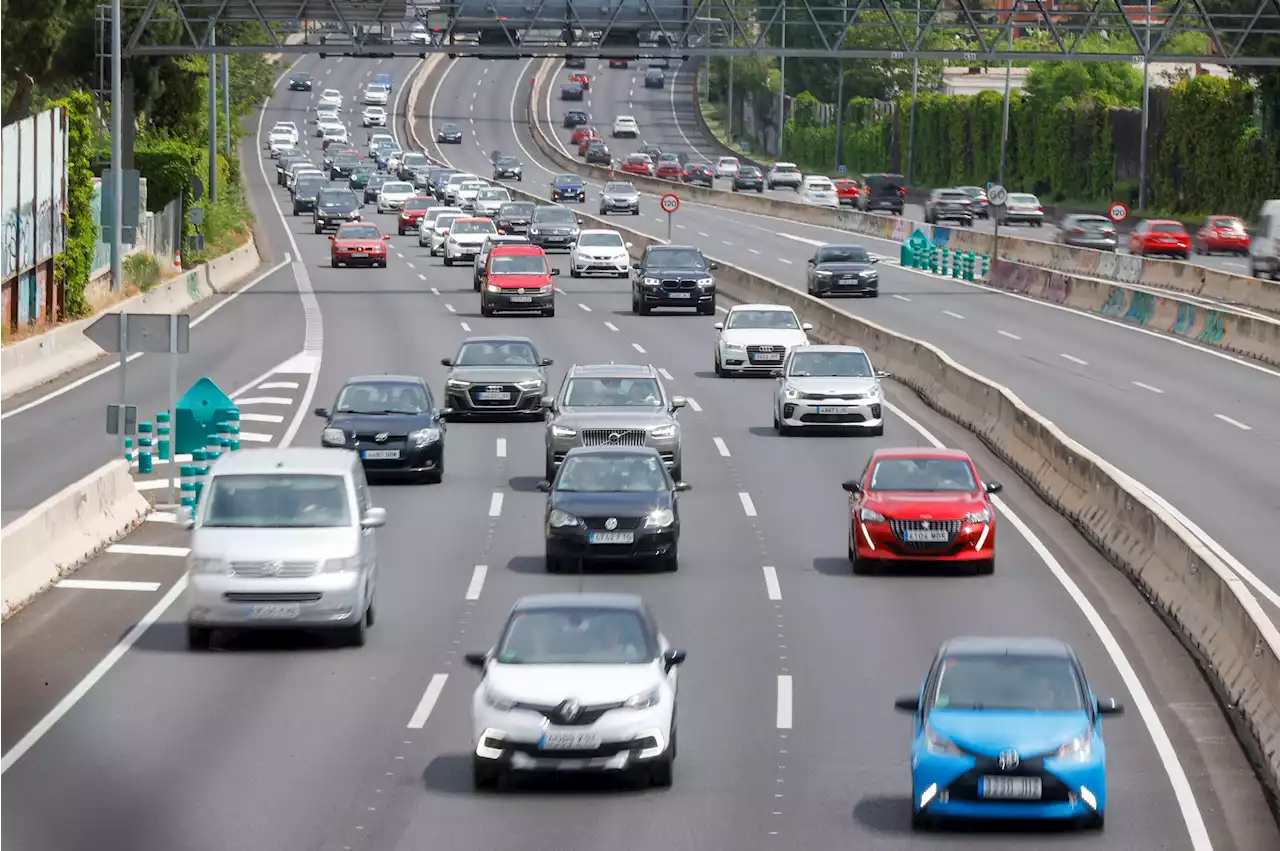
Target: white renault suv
[(756, 338), (576, 682), (625, 126), (600, 252)]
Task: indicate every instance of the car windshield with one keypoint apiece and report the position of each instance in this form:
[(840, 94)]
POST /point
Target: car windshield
[(577, 636), (748, 171), (336, 197), (842, 254), (277, 500), (952, 196), (493, 195), (497, 353), (923, 475), (518, 264), (612, 474), (621, 188), (509, 162), (640, 160), (1228, 224), (782, 319), (346, 158), (444, 220), (302, 76), (397, 186), (484, 226), (450, 128), (518, 209), (555, 216), (680, 259), (1009, 682), (412, 159), (567, 180), (382, 397), (600, 240), (471, 186), (311, 185), (613, 392), (377, 181), (359, 232), (831, 365)]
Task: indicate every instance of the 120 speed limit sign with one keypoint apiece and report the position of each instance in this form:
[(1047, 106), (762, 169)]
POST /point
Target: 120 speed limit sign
[(1118, 212), (670, 203)]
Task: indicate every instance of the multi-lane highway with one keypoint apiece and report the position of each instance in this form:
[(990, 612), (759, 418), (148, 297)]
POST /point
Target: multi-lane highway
[(280, 742)]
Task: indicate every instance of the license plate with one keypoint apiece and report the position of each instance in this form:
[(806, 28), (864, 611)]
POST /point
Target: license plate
[(927, 536), (275, 611), (612, 537), (360, 254), (773, 356), (569, 741), (493, 396), (522, 299), (380, 454), (680, 295), (835, 410), (1020, 788)]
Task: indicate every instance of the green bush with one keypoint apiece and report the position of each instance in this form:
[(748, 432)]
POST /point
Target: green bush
[(74, 265), (141, 270)]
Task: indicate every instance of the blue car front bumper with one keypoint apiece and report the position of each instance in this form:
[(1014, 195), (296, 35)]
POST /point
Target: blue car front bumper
[(947, 786)]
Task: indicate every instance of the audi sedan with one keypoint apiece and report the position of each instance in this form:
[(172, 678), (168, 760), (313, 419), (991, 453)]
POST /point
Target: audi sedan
[(496, 376), (843, 270), (392, 421)]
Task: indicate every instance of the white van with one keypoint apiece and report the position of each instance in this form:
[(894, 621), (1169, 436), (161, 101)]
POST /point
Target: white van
[(1264, 246)]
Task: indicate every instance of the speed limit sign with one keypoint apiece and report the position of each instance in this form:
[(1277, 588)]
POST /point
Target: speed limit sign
[(670, 203), (1118, 212)]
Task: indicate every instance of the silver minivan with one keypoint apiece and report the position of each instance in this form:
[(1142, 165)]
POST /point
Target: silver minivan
[(283, 539)]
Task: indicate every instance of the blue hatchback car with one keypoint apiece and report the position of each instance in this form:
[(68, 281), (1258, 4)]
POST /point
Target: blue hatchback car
[(1007, 728)]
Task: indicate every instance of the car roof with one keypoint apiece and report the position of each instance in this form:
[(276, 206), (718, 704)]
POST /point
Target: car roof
[(497, 339), (612, 370), (296, 460), (842, 246), (625, 118), (517, 249), (1006, 646), (829, 347), (533, 602), (784, 165), (781, 308), (658, 247), (921, 452), (475, 219), (601, 230), (385, 379), (607, 449)]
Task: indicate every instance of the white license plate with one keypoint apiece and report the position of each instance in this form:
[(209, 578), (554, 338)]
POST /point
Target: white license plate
[(927, 536), (493, 396), (1020, 788), (837, 410), (554, 740), (274, 611), (360, 254), (775, 356), (612, 537), (680, 295), (381, 454), (522, 299)]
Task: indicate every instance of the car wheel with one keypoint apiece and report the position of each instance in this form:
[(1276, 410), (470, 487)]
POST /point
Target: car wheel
[(708, 309), (484, 775), (448, 261), (401, 231), (573, 272), (920, 820), (199, 637), (861, 566), (878, 431), (319, 229), (636, 211), (485, 310), (645, 309), (357, 634), (371, 614), (721, 372), (670, 563), (1098, 822), (760, 191), (554, 564)]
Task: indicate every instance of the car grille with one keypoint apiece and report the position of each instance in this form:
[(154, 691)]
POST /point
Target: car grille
[(587, 715), (767, 363), (679, 285), (283, 597), (625, 524), (901, 527), (605, 437), (846, 397), (282, 570), (965, 787), (473, 395), (371, 442), (829, 419), (607, 749)]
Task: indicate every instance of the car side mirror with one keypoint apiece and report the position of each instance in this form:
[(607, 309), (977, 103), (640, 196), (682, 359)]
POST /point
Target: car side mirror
[(555, 272), (993, 487), (444, 413), (907, 704), (331, 237), (548, 402), (852, 486), (874, 260), (323, 413), (681, 487), (477, 659), (776, 373), (671, 658), (446, 361), (373, 518), (547, 361), (544, 486), (678, 402), (629, 245), (806, 326), (812, 261), (714, 265), (1110, 706), (719, 326)]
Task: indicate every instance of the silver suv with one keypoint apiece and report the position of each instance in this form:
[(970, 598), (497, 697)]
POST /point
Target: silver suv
[(613, 405)]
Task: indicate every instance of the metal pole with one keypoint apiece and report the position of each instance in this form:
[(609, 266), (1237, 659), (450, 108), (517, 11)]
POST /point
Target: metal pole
[(668, 227), (226, 98), (911, 120), (840, 97), (782, 83), (1008, 85), (728, 128), (117, 171), (124, 364), (1146, 108), (173, 410), (213, 120)]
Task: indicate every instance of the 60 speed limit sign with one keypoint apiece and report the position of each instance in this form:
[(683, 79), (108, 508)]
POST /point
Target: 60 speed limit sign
[(670, 203)]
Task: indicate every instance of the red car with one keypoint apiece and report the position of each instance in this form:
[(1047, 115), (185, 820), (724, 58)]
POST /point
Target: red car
[(518, 278), (847, 191), (699, 174), (412, 213), (669, 169), (582, 79), (617, 63), (582, 132), (921, 505), (1160, 236), (358, 244), (1221, 233), (585, 142), (638, 164)]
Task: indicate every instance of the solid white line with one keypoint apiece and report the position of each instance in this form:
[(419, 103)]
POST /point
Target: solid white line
[(720, 445), (611, 326), (477, 582), (495, 504), (255, 437), (747, 505), (784, 260), (449, 307), (584, 307), (771, 583), (502, 447), (264, 400), (147, 550), (693, 403), (435, 291), (784, 701), (638, 348), (952, 314), (1147, 387), (1236, 423), (466, 327), (1142, 702), (261, 418), (278, 385), (108, 585), (1073, 358), (162, 517), (901, 297), (665, 374), (1007, 334), (428, 702)]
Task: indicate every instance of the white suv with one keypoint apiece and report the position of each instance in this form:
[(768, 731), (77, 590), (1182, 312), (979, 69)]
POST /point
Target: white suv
[(784, 174), (600, 252), (625, 125), (331, 97), (756, 338), (727, 167)]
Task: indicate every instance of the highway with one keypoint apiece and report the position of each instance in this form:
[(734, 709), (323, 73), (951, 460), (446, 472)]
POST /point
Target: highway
[(282, 742)]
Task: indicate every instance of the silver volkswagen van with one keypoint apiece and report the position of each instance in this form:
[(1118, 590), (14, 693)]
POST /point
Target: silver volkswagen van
[(283, 539)]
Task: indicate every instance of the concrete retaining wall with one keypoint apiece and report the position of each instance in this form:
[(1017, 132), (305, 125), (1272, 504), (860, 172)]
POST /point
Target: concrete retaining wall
[(61, 533)]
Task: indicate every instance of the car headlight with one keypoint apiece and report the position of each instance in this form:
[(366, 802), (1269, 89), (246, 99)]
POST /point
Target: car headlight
[(651, 282), (208, 566), (341, 565), (868, 273), (983, 516), (545, 290), (643, 700), (560, 519), (535, 231), (706, 282), (822, 273), (866, 515), (529, 384), (660, 518), (498, 700), (334, 437), (736, 347), (424, 437), (663, 431), (791, 392), (1079, 748), (493, 288), (936, 744), (563, 431)]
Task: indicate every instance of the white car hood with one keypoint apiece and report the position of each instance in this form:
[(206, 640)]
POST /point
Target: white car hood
[(765, 337), (470, 238), (548, 685), (833, 385), (602, 252), (254, 544), (396, 196)]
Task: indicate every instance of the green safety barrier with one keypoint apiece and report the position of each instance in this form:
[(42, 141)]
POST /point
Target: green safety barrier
[(144, 448), (164, 446)]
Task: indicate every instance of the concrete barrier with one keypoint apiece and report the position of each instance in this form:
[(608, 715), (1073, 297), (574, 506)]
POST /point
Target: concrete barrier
[(61, 533), (42, 358)]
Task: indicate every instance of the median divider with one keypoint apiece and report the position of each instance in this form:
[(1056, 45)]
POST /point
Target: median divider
[(66, 530)]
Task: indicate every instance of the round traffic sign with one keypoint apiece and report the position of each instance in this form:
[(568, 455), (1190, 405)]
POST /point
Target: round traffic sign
[(670, 203), (997, 195), (1118, 212)]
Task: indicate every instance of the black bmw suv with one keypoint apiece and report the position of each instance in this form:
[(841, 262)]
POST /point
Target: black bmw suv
[(674, 276), (335, 206), (393, 422)]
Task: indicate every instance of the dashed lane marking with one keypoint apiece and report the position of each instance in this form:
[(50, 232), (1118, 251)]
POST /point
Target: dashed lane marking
[(107, 585), (501, 447), (784, 701), (901, 297), (665, 374), (693, 403), (721, 447), (264, 400), (639, 348), (771, 585), (584, 307), (261, 418), (278, 385), (611, 326), (255, 437), (952, 314), (420, 715), (477, 581), (495, 504), (1229, 421), (466, 327), (747, 505), (449, 307), (1073, 358), (148, 550), (1147, 387), (1008, 334)]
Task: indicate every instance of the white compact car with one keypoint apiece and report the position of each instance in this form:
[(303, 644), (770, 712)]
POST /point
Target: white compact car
[(467, 192), (819, 191), (393, 195), (331, 98), (466, 236), (377, 140), (828, 386), (375, 95), (727, 167), (489, 201), (440, 229), (453, 184), (420, 34), (783, 174), (756, 338), (600, 252), (288, 128), (427, 225), (576, 682), (625, 126), (374, 116), (280, 141), (335, 133)]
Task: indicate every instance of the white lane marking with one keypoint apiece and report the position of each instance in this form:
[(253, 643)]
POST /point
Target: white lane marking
[(261, 418), (693, 403), (1007, 334), (901, 297), (477, 582), (1151, 719), (277, 385), (680, 227), (952, 314), (753, 251), (255, 437), (449, 307), (466, 327), (771, 584), (784, 260), (1226, 419), (611, 326), (500, 447), (584, 307), (495, 504), (803, 239), (726, 242), (720, 446), (747, 505), (420, 715), (665, 374), (784, 701), (558, 291), (435, 291), (407, 263), (421, 277), (162, 517), (1073, 358), (639, 348), (148, 550), (399, 255), (1146, 387), (703, 235), (264, 400), (108, 585)]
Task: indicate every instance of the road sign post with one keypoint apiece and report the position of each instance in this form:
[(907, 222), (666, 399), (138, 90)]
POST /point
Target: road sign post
[(670, 203), (997, 196)]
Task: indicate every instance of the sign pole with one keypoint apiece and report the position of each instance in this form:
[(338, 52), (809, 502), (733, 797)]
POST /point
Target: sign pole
[(173, 404), (124, 363), (668, 227), (669, 203), (997, 196)]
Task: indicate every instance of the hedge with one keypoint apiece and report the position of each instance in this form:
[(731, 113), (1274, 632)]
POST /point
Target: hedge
[(75, 264)]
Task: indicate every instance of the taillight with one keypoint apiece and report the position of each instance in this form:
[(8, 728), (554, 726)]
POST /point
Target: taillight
[(1079, 231), (902, 192), (1039, 209)]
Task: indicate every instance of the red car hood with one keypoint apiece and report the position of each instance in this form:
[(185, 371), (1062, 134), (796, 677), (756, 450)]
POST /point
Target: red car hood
[(515, 282), (902, 505), (359, 245), (412, 214)]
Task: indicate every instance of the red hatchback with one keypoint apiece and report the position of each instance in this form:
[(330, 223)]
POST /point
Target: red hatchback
[(1226, 234), (669, 169), (411, 215), (518, 278), (1160, 236), (585, 142), (358, 244), (581, 79), (582, 132), (638, 164), (847, 191), (921, 505)]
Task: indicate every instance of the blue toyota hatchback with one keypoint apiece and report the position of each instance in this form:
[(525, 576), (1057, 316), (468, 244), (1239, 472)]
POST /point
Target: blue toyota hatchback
[(1007, 728)]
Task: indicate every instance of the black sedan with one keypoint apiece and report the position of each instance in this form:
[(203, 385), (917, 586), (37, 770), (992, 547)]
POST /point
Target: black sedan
[(748, 178), (574, 118), (496, 376), (572, 91), (699, 175), (568, 187), (373, 186), (514, 217), (843, 270), (598, 154), (393, 422), (508, 168), (449, 134), (300, 81), (612, 503), (575, 62)]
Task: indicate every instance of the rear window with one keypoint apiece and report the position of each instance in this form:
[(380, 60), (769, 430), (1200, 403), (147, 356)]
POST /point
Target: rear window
[(277, 500), (415, 204), (485, 226), (1168, 227), (1229, 224), (884, 182)]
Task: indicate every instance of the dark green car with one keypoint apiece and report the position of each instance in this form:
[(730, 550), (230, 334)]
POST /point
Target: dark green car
[(360, 179), (372, 185)]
